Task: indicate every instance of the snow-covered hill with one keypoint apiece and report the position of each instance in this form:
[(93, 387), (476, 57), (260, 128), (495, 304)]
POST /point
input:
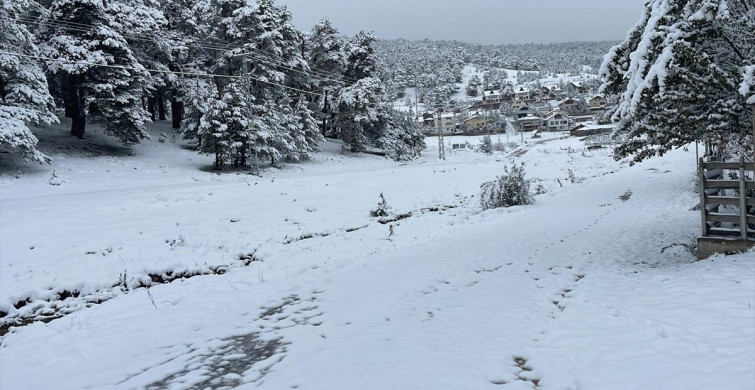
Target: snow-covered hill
[(290, 284)]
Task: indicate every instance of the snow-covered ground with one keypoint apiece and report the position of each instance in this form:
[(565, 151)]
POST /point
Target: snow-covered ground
[(592, 287)]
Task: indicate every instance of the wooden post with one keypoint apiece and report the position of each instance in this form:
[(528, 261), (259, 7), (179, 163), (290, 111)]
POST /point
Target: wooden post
[(742, 199), (752, 119), (703, 206)]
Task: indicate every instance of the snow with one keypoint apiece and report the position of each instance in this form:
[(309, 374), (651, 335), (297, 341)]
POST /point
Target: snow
[(591, 287), (746, 88)]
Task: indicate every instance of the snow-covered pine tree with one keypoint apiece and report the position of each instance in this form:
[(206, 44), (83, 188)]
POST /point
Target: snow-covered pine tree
[(327, 60), (223, 129), (187, 30), (473, 85), (399, 135), (23, 87), (197, 93), (361, 58), (97, 67), (143, 25), (264, 33), (677, 77), (358, 106), (309, 136)]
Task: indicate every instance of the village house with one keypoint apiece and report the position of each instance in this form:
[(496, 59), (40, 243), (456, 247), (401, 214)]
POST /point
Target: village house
[(447, 121), (583, 118), (551, 90), (577, 86), (557, 121), (491, 97), (540, 106), (474, 123), (524, 111), (569, 105), (522, 93), (586, 129), (597, 102), (427, 120), (529, 123), (517, 104)]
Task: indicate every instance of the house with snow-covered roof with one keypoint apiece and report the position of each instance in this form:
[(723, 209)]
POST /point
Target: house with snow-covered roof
[(540, 106), (585, 129), (474, 123), (522, 93), (529, 123), (597, 102), (493, 96), (569, 105), (517, 104), (557, 121)]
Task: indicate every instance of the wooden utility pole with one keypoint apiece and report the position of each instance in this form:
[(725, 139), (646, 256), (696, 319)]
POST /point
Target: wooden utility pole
[(249, 113), (441, 144), (752, 120)]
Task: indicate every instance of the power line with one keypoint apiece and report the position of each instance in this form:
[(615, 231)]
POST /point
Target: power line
[(62, 23), (160, 71), (268, 59)]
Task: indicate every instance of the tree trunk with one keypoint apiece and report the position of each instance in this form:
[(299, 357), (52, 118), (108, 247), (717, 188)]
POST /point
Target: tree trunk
[(160, 105), (176, 112), (69, 97), (325, 116), (78, 114), (2, 89), (151, 107)]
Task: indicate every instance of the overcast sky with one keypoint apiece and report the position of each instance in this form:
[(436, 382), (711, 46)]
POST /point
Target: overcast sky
[(480, 21)]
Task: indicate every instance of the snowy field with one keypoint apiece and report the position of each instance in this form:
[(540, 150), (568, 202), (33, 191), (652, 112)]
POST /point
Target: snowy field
[(151, 271)]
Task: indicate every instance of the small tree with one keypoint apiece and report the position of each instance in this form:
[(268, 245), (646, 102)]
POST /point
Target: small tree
[(223, 129), (509, 189), (382, 209), (486, 145)]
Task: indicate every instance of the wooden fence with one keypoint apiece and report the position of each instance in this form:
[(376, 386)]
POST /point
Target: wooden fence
[(727, 210)]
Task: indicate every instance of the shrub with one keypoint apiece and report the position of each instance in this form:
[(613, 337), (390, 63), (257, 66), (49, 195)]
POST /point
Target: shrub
[(509, 189), (486, 145), (382, 210)]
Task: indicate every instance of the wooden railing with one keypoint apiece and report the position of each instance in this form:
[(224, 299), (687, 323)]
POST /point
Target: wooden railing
[(726, 209)]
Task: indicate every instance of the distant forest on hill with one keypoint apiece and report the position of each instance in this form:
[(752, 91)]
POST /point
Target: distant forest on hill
[(435, 65)]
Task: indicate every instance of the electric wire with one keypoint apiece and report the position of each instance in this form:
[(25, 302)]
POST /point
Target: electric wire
[(196, 74), (268, 58)]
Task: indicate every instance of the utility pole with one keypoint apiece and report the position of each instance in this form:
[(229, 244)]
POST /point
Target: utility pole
[(248, 90), (416, 97), (441, 145)]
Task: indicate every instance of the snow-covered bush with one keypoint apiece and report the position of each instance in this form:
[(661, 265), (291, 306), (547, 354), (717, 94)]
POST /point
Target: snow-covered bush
[(509, 189), (382, 209), (486, 145)]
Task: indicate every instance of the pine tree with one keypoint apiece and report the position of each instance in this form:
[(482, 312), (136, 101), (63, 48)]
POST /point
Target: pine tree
[(223, 129), (23, 87), (144, 26), (308, 134), (98, 69), (187, 30), (327, 60), (263, 33), (197, 94), (358, 111), (400, 137), (361, 57), (678, 74)]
